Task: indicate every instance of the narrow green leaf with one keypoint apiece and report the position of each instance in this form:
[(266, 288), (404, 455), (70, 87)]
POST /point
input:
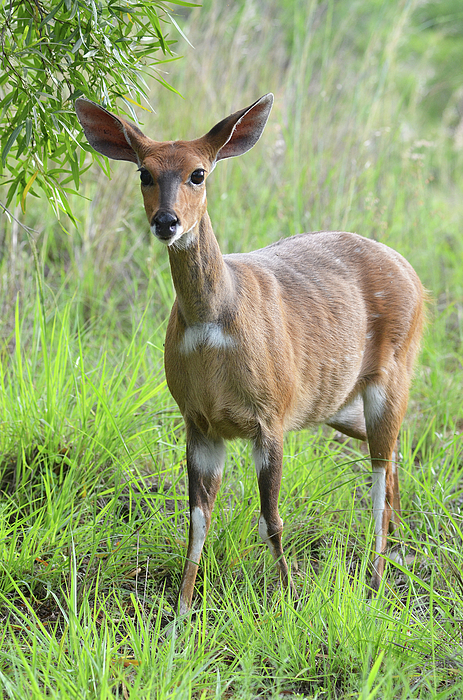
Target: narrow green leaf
[(26, 190), (51, 15), (184, 4), (75, 169), (77, 46), (28, 130), (13, 136), (179, 30), (125, 10)]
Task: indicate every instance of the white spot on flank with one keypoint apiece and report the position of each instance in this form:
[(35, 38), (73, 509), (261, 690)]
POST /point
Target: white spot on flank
[(379, 294), (353, 360), (199, 530), (209, 334), (374, 398)]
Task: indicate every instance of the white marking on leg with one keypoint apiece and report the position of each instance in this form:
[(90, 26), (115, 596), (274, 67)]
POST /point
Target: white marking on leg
[(263, 532), (199, 531), (378, 496), (259, 460), (374, 398), (209, 334), (208, 456)]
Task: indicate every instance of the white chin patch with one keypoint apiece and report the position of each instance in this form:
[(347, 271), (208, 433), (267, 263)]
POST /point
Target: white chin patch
[(179, 240), (168, 241), (184, 240)]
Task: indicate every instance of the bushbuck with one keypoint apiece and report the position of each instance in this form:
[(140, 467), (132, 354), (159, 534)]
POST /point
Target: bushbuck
[(315, 328)]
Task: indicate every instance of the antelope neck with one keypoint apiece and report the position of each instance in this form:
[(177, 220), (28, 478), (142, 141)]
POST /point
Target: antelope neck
[(202, 280)]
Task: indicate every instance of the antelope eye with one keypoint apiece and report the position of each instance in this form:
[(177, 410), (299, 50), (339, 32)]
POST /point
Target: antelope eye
[(197, 176), (145, 177)]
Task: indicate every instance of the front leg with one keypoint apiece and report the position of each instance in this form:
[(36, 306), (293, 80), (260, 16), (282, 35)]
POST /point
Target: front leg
[(268, 458), (205, 461)]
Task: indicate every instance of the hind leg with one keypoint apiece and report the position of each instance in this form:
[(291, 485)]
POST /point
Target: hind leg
[(384, 410)]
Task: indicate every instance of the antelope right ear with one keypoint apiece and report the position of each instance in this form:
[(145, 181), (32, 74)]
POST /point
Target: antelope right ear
[(109, 135), (240, 131)]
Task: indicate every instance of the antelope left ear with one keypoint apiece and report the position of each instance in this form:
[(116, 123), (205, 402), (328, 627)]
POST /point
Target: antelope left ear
[(113, 137), (240, 131)]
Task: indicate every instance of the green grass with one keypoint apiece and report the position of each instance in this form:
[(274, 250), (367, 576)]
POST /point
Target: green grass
[(93, 480)]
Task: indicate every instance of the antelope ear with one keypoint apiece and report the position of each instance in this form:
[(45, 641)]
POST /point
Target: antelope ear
[(113, 137), (240, 131)]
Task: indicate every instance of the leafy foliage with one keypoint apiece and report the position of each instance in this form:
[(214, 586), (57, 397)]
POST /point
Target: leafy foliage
[(52, 52)]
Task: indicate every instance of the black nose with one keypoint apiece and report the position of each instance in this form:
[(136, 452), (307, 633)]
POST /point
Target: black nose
[(165, 223)]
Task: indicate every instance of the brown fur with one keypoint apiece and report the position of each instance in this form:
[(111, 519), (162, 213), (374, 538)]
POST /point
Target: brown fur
[(292, 334)]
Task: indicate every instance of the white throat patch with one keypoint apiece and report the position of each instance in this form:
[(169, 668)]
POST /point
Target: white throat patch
[(209, 334)]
